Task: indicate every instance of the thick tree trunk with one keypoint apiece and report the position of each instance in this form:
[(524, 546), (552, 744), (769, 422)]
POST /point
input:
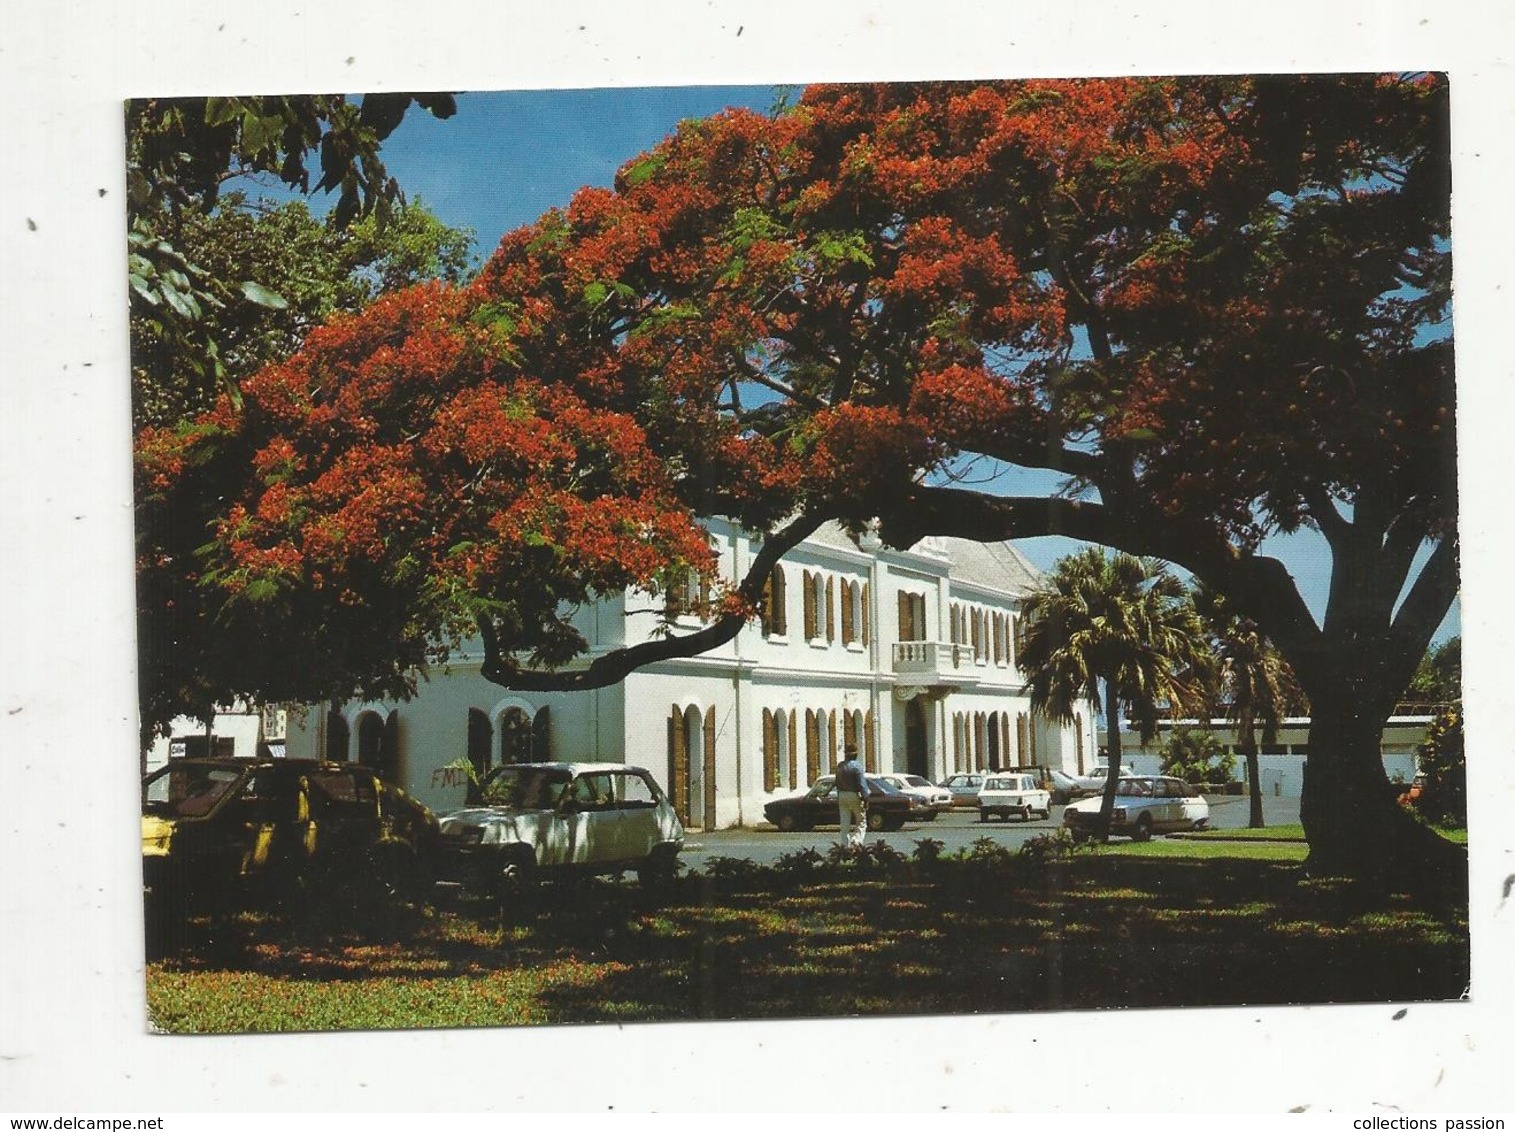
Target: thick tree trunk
[(1352, 818)]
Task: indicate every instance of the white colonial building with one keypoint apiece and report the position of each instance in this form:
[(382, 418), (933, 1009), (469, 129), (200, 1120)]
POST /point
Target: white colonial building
[(910, 654)]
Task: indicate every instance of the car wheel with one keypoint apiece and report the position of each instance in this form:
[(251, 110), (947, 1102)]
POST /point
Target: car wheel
[(517, 879), (1143, 830), (1080, 836), (983, 815), (875, 820), (787, 823), (1025, 813)]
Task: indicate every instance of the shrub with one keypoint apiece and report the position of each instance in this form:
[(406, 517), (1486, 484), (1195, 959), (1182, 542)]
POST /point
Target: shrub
[(728, 869), (1198, 756), (801, 863), (987, 851), (869, 855), (1055, 846), (928, 851), (1443, 763)]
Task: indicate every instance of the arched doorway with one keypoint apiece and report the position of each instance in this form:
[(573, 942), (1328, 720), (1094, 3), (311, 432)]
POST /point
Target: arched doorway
[(915, 738)]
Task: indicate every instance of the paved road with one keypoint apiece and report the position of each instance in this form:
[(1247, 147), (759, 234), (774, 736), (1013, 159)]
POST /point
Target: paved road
[(956, 830)]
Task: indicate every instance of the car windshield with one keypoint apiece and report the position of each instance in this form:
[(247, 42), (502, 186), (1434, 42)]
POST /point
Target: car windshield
[(525, 787), (1001, 784), (916, 780), (1134, 788), (187, 790)]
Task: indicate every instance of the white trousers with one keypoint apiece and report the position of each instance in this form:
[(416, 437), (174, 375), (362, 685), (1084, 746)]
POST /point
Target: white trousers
[(854, 819)]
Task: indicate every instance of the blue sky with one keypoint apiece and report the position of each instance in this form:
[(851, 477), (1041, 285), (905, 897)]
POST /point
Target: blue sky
[(507, 157)]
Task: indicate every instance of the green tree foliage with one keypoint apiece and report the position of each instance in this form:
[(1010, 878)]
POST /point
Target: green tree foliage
[(1444, 772), (315, 268), (1197, 756), (180, 152), (1116, 622), (1212, 309), (1438, 678)]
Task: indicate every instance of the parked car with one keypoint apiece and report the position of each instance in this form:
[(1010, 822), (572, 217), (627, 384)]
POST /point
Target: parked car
[(1005, 794), (240, 831), (1064, 788), (1144, 805), (938, 799), (888, 808), (964, 789), (1095, 780), (538, 820)]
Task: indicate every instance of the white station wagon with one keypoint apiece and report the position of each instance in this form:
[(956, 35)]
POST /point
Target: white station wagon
[(1006, 794), (540, 819), (1143, 806)]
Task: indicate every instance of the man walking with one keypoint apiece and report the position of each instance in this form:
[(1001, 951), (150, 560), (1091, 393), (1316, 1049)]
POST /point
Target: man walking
[(851, 792)]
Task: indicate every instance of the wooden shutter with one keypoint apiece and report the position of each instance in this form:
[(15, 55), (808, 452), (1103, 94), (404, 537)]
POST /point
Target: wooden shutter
[(770, 752), (678, 764), (794, 750), (541, 735), (708, 820), (869, 744), (866, 616), (812, 746), (849, 590), (810, 611), (831, 738), (830, 607)]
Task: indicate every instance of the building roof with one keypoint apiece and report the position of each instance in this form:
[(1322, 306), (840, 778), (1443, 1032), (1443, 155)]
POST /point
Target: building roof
[(991, 565), (994, 565)]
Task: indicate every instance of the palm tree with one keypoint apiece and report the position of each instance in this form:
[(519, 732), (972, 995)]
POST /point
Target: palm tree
[(1251, 683), (1120, 621)]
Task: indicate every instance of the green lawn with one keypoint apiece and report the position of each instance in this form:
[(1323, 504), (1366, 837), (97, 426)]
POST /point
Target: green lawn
[(985, 932)]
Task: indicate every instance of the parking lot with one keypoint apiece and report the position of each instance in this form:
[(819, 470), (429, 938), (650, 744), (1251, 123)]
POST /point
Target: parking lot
[(956, 830)]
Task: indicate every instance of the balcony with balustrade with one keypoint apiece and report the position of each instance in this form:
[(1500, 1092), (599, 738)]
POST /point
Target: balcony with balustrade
[(938, 665)]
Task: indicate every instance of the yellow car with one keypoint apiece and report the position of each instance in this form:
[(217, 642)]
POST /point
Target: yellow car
[(235, 832)]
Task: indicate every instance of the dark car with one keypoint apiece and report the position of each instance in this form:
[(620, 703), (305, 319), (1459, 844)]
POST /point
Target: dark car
[(240, 832), (888, 808)]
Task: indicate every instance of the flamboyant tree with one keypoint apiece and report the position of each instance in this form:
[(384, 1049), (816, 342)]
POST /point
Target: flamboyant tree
[(1214, 308)]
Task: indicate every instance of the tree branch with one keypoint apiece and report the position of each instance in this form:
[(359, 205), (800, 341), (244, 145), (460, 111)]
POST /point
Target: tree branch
[(614, 666)]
